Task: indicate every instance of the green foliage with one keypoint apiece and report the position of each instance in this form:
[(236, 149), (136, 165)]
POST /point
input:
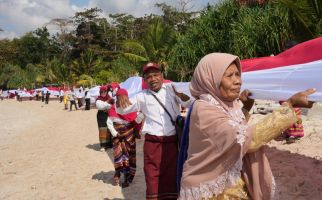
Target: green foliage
[(100, 50), (56, 71), (8, 50), (155, 46), (180, 20), (123, 69), (300, 16), (244, 31), (13, 76), (210, 33), (105, 77), (34, 47), (88, 64), (259, 31), (85, 81)]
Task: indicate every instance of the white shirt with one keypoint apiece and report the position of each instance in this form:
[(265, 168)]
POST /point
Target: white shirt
[(71, 96), (61, 93), (157, 121), (88, 95), (102, 105)]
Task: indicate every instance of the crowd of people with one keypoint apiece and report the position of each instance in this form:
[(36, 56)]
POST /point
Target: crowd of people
[(71, 97), (220, 155)]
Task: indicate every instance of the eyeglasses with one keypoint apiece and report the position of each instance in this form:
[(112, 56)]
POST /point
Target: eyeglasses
[(104, 91)]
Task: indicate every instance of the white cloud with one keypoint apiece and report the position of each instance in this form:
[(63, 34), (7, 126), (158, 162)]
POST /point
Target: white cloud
[(7, 35), (21, 16), (138, 7)]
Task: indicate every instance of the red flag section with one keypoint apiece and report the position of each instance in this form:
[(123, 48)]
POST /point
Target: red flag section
[(305, 52)]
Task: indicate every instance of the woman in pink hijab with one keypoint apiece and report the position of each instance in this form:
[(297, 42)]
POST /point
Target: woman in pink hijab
[(225, 156)]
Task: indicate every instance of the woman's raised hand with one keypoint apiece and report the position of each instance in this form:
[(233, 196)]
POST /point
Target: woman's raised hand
[(247, 102), (300, 99)]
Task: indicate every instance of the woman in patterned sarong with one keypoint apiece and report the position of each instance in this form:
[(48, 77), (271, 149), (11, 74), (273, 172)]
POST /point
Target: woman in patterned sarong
[(124, 144), (103, 103)]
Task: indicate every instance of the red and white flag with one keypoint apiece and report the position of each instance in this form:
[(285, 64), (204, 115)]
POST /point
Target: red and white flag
[(279, 77), (271, 78)]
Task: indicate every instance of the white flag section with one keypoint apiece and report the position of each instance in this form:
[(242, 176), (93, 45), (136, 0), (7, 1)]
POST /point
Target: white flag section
[(282, 82), (182, 87), (133, 85), (271, 84)]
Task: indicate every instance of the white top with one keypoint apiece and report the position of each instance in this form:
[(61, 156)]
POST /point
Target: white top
[(71, 96), (61, 93), (88, 95), (102, 105), (157, 121)]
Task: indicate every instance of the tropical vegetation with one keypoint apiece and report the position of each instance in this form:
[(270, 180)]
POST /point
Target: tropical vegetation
[(90, 50)]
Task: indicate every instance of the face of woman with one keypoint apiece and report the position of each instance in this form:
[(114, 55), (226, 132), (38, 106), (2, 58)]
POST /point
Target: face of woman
[(230, 83), (103, 93)]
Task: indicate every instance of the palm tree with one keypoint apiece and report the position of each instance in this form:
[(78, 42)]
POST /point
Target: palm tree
[(155, 47), (87, 64), (34, 75), (302, 15), (317, 12), (85, 80)]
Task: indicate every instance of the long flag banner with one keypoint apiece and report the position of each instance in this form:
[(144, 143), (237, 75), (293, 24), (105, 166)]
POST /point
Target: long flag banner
[(270, 78), (279, 77)]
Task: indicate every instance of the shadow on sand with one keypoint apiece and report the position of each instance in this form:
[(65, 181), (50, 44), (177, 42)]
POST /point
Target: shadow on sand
[(95, 147), (136, 190), (297, 176), (106, 177)]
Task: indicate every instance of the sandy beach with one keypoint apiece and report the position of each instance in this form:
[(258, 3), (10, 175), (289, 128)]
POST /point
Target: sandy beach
[(50, 153)]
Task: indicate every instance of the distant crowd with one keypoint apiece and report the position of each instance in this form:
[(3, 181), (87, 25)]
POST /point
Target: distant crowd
[(72, 98)]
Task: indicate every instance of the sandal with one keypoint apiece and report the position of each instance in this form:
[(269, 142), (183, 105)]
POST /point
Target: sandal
[(116, 181), (125, 184)]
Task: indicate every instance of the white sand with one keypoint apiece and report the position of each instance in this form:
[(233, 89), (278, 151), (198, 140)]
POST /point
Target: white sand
[(49, 153)]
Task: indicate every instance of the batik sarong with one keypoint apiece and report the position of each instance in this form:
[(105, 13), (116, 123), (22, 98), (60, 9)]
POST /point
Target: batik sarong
[(104, 134), (124, 149)]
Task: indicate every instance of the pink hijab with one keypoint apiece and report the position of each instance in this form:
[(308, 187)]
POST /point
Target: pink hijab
[(219, 139)]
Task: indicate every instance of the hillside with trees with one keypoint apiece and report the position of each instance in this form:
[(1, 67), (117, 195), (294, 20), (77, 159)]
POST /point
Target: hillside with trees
[(91, 50)]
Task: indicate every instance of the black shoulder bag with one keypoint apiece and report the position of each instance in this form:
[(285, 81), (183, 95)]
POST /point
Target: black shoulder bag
[(178, 123)]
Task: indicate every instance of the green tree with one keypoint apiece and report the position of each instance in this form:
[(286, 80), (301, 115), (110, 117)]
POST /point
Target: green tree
[(8, 52), (86, 81), (13, 76), (35, 47), (258, 30), (155, 46), (88, 64), (181, 19), (304, 16), (64, 38), (34, 76), (105, 76)]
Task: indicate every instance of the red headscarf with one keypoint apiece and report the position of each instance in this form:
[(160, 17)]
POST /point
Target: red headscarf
[(107, 97)]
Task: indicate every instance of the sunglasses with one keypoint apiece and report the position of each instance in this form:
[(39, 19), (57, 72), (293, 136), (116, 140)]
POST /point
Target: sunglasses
[(104, 92)]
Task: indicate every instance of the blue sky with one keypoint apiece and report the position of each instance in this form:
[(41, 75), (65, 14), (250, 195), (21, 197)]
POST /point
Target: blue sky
[(79, 2), (20, 16)]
